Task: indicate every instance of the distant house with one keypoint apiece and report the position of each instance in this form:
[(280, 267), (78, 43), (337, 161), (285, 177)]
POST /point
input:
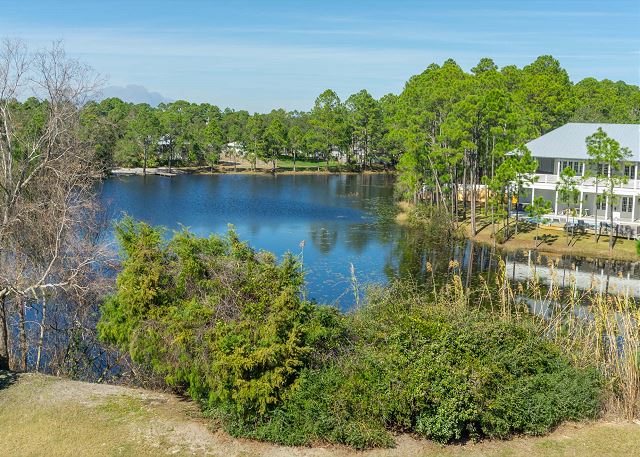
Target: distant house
[(235, 148), (566, 147), (340, 156)]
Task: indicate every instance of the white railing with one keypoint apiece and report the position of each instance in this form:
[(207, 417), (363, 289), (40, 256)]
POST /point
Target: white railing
[(548, 178)]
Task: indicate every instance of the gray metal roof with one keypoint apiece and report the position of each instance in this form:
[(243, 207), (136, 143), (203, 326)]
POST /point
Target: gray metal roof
[(568, 141)]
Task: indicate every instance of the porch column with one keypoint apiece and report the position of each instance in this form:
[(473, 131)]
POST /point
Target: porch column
[(633, 208), (555, 210), (533, 194), (581, 198)]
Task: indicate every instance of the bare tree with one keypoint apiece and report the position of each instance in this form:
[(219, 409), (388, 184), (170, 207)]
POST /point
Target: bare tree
[(50, 252)]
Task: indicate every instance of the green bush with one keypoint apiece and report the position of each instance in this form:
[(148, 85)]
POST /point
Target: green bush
[(435, 222), (228, 326), (445, 374), (215, 318)]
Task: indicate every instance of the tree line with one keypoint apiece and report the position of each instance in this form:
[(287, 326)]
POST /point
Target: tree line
[(447, 127)]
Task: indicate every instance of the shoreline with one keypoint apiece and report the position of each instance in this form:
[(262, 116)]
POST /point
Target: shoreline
[(588, 248), (175, 171), (559, 249)]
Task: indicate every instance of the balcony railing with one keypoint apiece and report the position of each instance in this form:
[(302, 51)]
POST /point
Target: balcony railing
[(548, 178)]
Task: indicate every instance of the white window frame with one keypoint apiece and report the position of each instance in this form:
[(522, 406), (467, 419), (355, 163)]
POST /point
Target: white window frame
[(576, 165), (630, 171), (604, 167)]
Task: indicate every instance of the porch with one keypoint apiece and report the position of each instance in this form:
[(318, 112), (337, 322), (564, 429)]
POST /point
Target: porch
[(626, 211)]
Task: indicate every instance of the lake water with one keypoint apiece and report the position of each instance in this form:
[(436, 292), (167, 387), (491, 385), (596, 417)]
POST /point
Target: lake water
[(343, 220)]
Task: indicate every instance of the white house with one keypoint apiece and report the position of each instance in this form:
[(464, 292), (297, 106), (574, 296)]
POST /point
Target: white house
[(566, 147), (235, 148)]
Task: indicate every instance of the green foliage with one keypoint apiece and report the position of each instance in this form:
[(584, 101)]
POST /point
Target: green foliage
[(607, 160), (444, 123), (227, 325), (435, 222), (538, 208), (223, 322), (442, 373)]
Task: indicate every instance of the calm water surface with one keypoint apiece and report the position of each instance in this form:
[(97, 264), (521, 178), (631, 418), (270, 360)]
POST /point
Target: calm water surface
[(344, 220)]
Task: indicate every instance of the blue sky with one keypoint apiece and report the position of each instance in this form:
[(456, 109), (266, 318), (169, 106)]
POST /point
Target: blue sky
[(259, 55)]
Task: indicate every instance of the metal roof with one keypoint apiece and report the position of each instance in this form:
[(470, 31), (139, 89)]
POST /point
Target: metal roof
[(568, 141)]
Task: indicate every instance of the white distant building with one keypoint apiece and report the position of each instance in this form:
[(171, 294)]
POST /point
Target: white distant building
[(235, 148), (566, 147)]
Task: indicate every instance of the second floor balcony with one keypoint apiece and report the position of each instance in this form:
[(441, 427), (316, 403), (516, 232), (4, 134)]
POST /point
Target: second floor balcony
[(552, 179)]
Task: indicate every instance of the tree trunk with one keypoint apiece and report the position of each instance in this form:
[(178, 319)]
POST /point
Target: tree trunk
[(473, 200), (43, 321), (294, 161), (493, 224), (506, 224), (596, 229), (144, 165), (4, 333), (464, 191), (22, 333), (517, 212), (611, 240)]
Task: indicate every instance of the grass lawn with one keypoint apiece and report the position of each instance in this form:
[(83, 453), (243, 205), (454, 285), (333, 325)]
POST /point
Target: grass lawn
[(555, 241), (44, 415)]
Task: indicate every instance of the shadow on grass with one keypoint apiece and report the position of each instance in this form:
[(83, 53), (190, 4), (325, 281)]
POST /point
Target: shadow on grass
[(7, 378), (546, 239)]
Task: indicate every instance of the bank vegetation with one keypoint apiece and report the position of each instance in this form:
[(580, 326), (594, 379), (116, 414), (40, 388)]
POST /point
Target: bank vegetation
[(229, 326)]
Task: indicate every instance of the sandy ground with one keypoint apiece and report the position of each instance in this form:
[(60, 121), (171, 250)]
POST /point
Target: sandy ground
[(48, 416), (240, 165)]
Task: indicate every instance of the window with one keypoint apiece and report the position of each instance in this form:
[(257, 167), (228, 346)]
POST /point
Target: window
[(603, 169), (576, 165), (626, 203), (630, 171), (601, 203)]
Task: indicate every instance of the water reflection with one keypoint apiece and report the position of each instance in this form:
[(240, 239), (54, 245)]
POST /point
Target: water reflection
[(344, 219), (414, 256)]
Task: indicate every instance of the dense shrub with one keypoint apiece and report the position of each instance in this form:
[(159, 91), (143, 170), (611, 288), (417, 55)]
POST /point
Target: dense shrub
[(436, 223), (227, 325), (445, 374), (217, 319)]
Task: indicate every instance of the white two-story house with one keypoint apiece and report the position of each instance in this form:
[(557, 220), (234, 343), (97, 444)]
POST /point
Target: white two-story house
[(566, 147)]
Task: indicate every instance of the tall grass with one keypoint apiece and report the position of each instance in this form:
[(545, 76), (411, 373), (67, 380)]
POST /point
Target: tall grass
[(593, 327)]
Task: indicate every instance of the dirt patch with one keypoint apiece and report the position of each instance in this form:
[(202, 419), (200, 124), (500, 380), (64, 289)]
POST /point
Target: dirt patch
[(44, 415)]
